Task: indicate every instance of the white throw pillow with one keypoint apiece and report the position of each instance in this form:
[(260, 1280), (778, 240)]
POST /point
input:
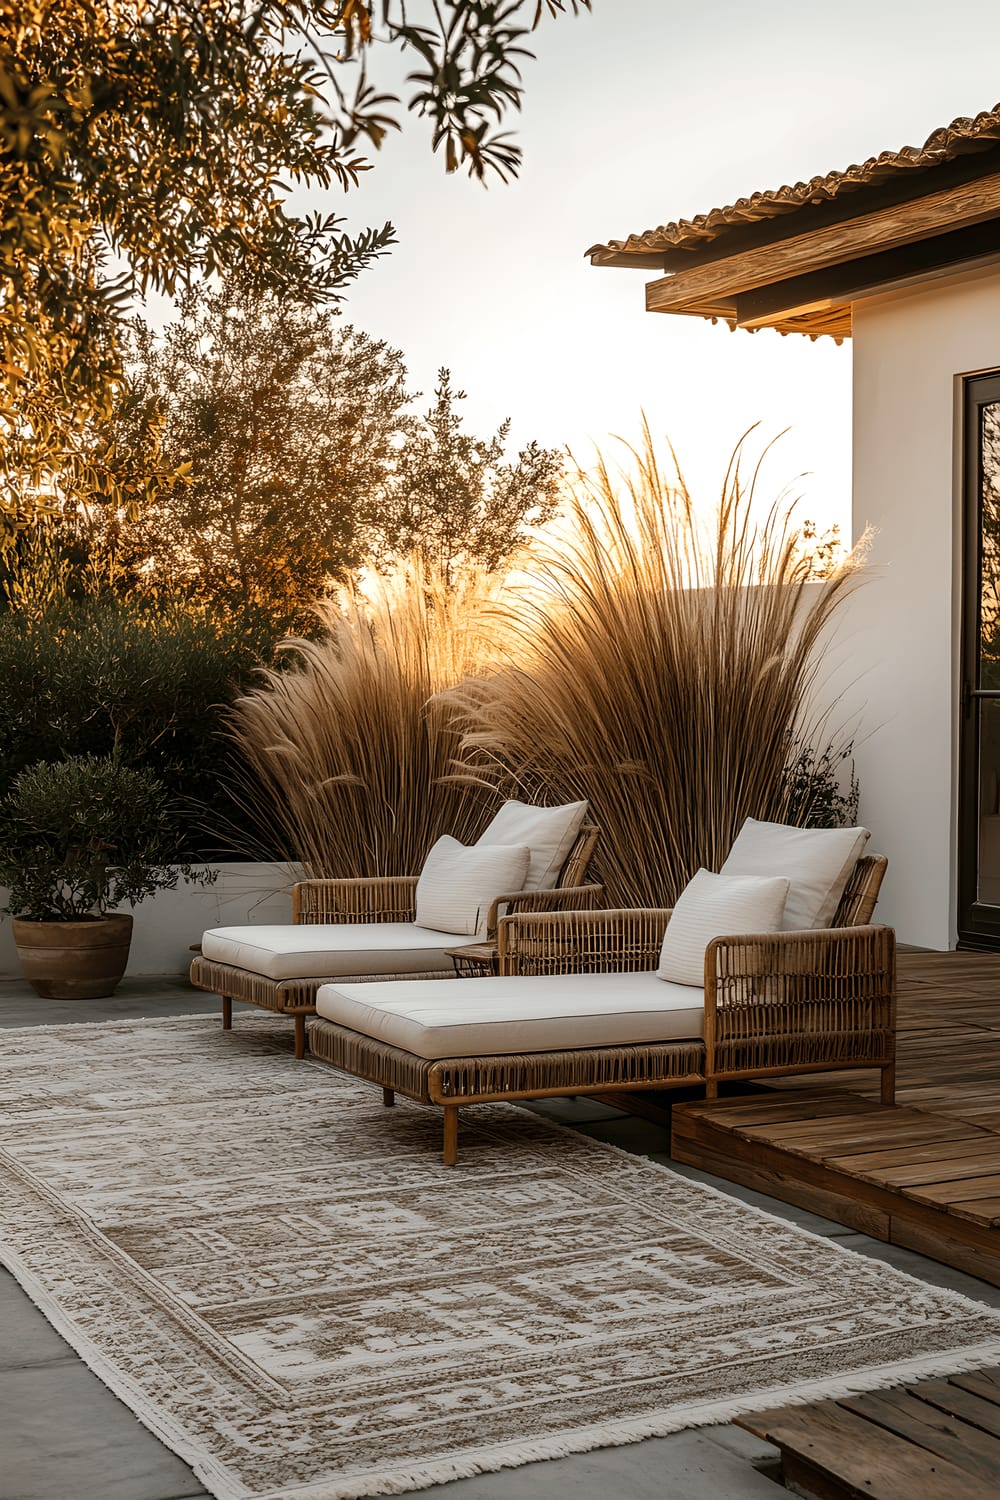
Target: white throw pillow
[(458, 885), (549, 832), (817, 861), (712, 906)]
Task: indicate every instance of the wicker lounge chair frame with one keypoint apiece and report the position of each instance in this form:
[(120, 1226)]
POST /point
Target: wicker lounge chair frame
[(381, 899), (788, 1002)]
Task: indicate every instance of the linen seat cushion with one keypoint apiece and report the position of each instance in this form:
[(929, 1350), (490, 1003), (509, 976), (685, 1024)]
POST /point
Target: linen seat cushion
[(712, 906), (321, 950), (817, 861), (549, 832), (483, 1017), (459, 884)]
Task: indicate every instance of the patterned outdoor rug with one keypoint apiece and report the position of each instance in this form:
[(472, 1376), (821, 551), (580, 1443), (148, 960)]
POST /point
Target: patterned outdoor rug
[(280, 1279)]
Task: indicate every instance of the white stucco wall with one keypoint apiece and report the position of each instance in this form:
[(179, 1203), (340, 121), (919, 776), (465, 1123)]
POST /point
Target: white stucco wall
[(168, 923), (910, 351)]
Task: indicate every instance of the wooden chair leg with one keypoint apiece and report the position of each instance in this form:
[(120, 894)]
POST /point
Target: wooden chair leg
[(227, 1013), (889, 1083), (300, 1034), (711, 1088), (388, 1098), (450, 1134)]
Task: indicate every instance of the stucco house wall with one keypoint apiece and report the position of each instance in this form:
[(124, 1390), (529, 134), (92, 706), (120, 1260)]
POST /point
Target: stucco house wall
[(911, 350)]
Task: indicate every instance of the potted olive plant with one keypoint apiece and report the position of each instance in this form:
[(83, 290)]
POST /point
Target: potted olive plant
[(78, 839)]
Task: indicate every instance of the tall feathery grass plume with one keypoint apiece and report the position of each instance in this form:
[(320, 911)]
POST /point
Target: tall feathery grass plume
[(348, 745), (664, 669)]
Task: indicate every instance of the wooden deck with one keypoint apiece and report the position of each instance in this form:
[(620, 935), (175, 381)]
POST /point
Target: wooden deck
[(936, 1440), (926, 1174)]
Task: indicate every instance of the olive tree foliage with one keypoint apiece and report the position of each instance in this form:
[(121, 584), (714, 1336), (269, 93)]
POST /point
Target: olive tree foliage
[(283, 421), (458, 500), (144, 143)]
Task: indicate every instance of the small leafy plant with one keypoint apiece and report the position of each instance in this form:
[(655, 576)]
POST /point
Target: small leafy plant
[(814, 788), (83, 836)]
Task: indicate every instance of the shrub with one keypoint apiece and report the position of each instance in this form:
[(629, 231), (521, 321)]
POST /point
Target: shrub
[(814, 788), (351, 742), (145, 682), (663, 671), (83, 836)]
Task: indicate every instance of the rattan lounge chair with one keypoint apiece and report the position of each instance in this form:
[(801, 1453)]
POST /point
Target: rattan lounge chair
[(404, 952), (788, 1002)]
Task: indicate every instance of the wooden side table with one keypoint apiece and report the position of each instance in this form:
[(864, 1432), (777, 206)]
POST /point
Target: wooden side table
[(475, 961)]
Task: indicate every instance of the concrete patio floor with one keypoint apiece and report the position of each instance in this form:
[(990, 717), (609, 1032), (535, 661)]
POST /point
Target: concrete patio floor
[(64, 1436)]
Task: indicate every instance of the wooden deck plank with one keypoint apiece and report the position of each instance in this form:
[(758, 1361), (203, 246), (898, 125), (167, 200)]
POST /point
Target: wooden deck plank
[(763, 1108), (903, 1174), (970, 1105), (968, 1406), (889, 1159), (985, 1383), (965, 1189), (826, 1140), (979, 1210)]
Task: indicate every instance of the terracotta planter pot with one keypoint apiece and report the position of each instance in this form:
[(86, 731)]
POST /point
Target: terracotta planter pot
[(74, 960)]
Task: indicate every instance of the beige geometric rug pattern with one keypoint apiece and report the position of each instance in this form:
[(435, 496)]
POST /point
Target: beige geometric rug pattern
[(280, 1279)]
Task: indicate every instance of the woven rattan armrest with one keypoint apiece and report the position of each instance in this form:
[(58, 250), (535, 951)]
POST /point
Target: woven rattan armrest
[(562, 898), (858, 902), (581, 942), (390, 898), (793, 1001)]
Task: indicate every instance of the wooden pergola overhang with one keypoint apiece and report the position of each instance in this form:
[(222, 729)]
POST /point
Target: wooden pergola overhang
[(799, 258)]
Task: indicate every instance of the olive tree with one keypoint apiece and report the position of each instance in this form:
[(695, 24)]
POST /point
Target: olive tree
[(144, 143), (284, 422)]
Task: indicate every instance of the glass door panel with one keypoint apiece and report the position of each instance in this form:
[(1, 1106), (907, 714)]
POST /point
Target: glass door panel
[(979, 785), (989, 549), (988, 871)]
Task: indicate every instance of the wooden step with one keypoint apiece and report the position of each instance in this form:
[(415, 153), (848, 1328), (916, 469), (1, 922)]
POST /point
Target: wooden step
[(908, 1176)]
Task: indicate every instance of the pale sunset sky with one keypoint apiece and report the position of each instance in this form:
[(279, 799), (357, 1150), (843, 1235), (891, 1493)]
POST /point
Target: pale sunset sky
[(643, 112)]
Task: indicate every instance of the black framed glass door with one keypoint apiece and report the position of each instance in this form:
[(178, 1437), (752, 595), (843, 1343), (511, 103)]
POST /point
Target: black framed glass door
[(979, 769)]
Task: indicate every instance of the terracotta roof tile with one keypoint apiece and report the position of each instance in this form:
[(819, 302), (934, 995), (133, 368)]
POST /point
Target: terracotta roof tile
[(950, 141)]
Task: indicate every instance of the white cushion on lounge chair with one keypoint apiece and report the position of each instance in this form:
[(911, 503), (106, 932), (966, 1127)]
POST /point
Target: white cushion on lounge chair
[(549, 832), (459, 884), (712, 906), (318, 950), (482, 1017), (817, 861)]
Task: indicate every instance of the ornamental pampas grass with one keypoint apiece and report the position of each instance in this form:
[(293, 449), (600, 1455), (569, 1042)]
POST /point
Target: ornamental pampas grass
[(349, 744), (663, 670)]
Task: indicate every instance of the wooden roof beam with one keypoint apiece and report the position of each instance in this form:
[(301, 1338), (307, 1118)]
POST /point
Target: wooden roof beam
[(903, 224), (869, 276)]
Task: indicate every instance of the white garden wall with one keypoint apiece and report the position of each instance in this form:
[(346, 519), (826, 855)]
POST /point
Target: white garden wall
[(168, 923), (910, 351)]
